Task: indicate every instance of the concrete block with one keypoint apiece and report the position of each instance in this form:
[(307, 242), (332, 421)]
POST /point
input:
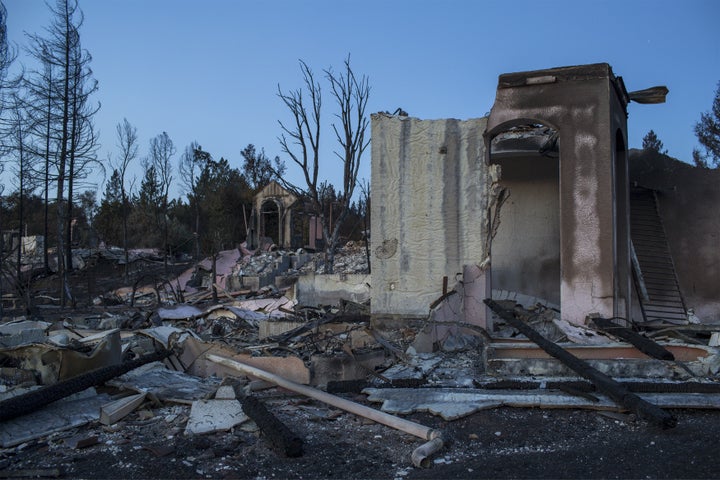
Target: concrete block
[(298, 261), (282, 264), (22, 333), (343, 367), (207, 416), (361, 339), (251, 282), (195, 352), (225, 392), (330, 289), (270, 327)]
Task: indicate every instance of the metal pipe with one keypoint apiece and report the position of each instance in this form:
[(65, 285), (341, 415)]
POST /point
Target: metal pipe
[(421, 455)]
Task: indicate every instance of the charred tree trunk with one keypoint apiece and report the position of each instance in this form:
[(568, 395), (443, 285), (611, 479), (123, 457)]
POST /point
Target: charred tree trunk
[(214, 277), (36, 399)]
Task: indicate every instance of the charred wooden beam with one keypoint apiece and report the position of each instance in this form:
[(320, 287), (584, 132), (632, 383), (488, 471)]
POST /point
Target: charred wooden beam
[(644, 344), (346, 386), (604, 383), (286, 337), (583, 386), (36, 399), (276, 432)]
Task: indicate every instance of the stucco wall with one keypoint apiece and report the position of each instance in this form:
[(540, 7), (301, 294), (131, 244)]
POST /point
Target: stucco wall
[(429, 193), (330, 289), (581, 104), (526, 248)]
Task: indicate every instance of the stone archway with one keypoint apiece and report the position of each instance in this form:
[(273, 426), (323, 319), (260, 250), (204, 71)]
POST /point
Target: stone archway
[(272, 214), (587, 105)]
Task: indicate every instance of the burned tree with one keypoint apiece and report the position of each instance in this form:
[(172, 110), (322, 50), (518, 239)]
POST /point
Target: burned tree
[(61, 101), (128, 144), (162, 150), (351, 95), (190, 167)]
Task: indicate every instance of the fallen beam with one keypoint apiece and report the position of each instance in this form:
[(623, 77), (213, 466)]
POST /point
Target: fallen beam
[(644, 344), (636, 386), (517, 348), (115, 411), (605, 384), (36, 399), (420, 456), (276, 432)]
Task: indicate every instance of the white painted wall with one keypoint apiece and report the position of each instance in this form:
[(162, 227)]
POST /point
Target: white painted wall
[(429, 209)]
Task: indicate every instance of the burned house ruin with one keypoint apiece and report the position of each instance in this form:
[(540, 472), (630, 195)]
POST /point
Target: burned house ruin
[(282, 219), (533, 199)]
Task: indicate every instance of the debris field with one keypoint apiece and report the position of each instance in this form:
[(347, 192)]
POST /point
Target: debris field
[(175, 380)]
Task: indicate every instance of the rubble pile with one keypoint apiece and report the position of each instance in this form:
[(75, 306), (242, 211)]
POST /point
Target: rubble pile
[(258, 366), (349, 259)]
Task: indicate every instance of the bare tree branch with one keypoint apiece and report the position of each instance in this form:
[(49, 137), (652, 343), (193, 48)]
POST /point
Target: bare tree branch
[(351, 96)]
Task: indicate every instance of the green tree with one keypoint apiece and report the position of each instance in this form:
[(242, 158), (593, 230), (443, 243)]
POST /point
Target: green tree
[(652, 142), (707, 131), (216, 193), (84, 229), (148, 207), (110, 211), (224, 192), (258, 168)]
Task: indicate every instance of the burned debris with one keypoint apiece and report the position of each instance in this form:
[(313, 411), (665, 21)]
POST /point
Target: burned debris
[(484, 294)]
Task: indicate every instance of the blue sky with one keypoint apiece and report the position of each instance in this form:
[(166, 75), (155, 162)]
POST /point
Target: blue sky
[(209, 71)]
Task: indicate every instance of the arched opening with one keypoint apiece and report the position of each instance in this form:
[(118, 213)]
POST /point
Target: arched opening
[(270, 221), (525, 248), (621, 233), (299, 227)]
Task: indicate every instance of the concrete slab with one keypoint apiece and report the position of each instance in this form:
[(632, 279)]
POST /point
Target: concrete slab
[(330, 289), (269, 327), (225, 392), (340, 367), (70, 412), (207, 416), (453, 403)]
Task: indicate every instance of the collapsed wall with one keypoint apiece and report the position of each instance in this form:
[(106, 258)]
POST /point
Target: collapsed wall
[(430, 187)]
